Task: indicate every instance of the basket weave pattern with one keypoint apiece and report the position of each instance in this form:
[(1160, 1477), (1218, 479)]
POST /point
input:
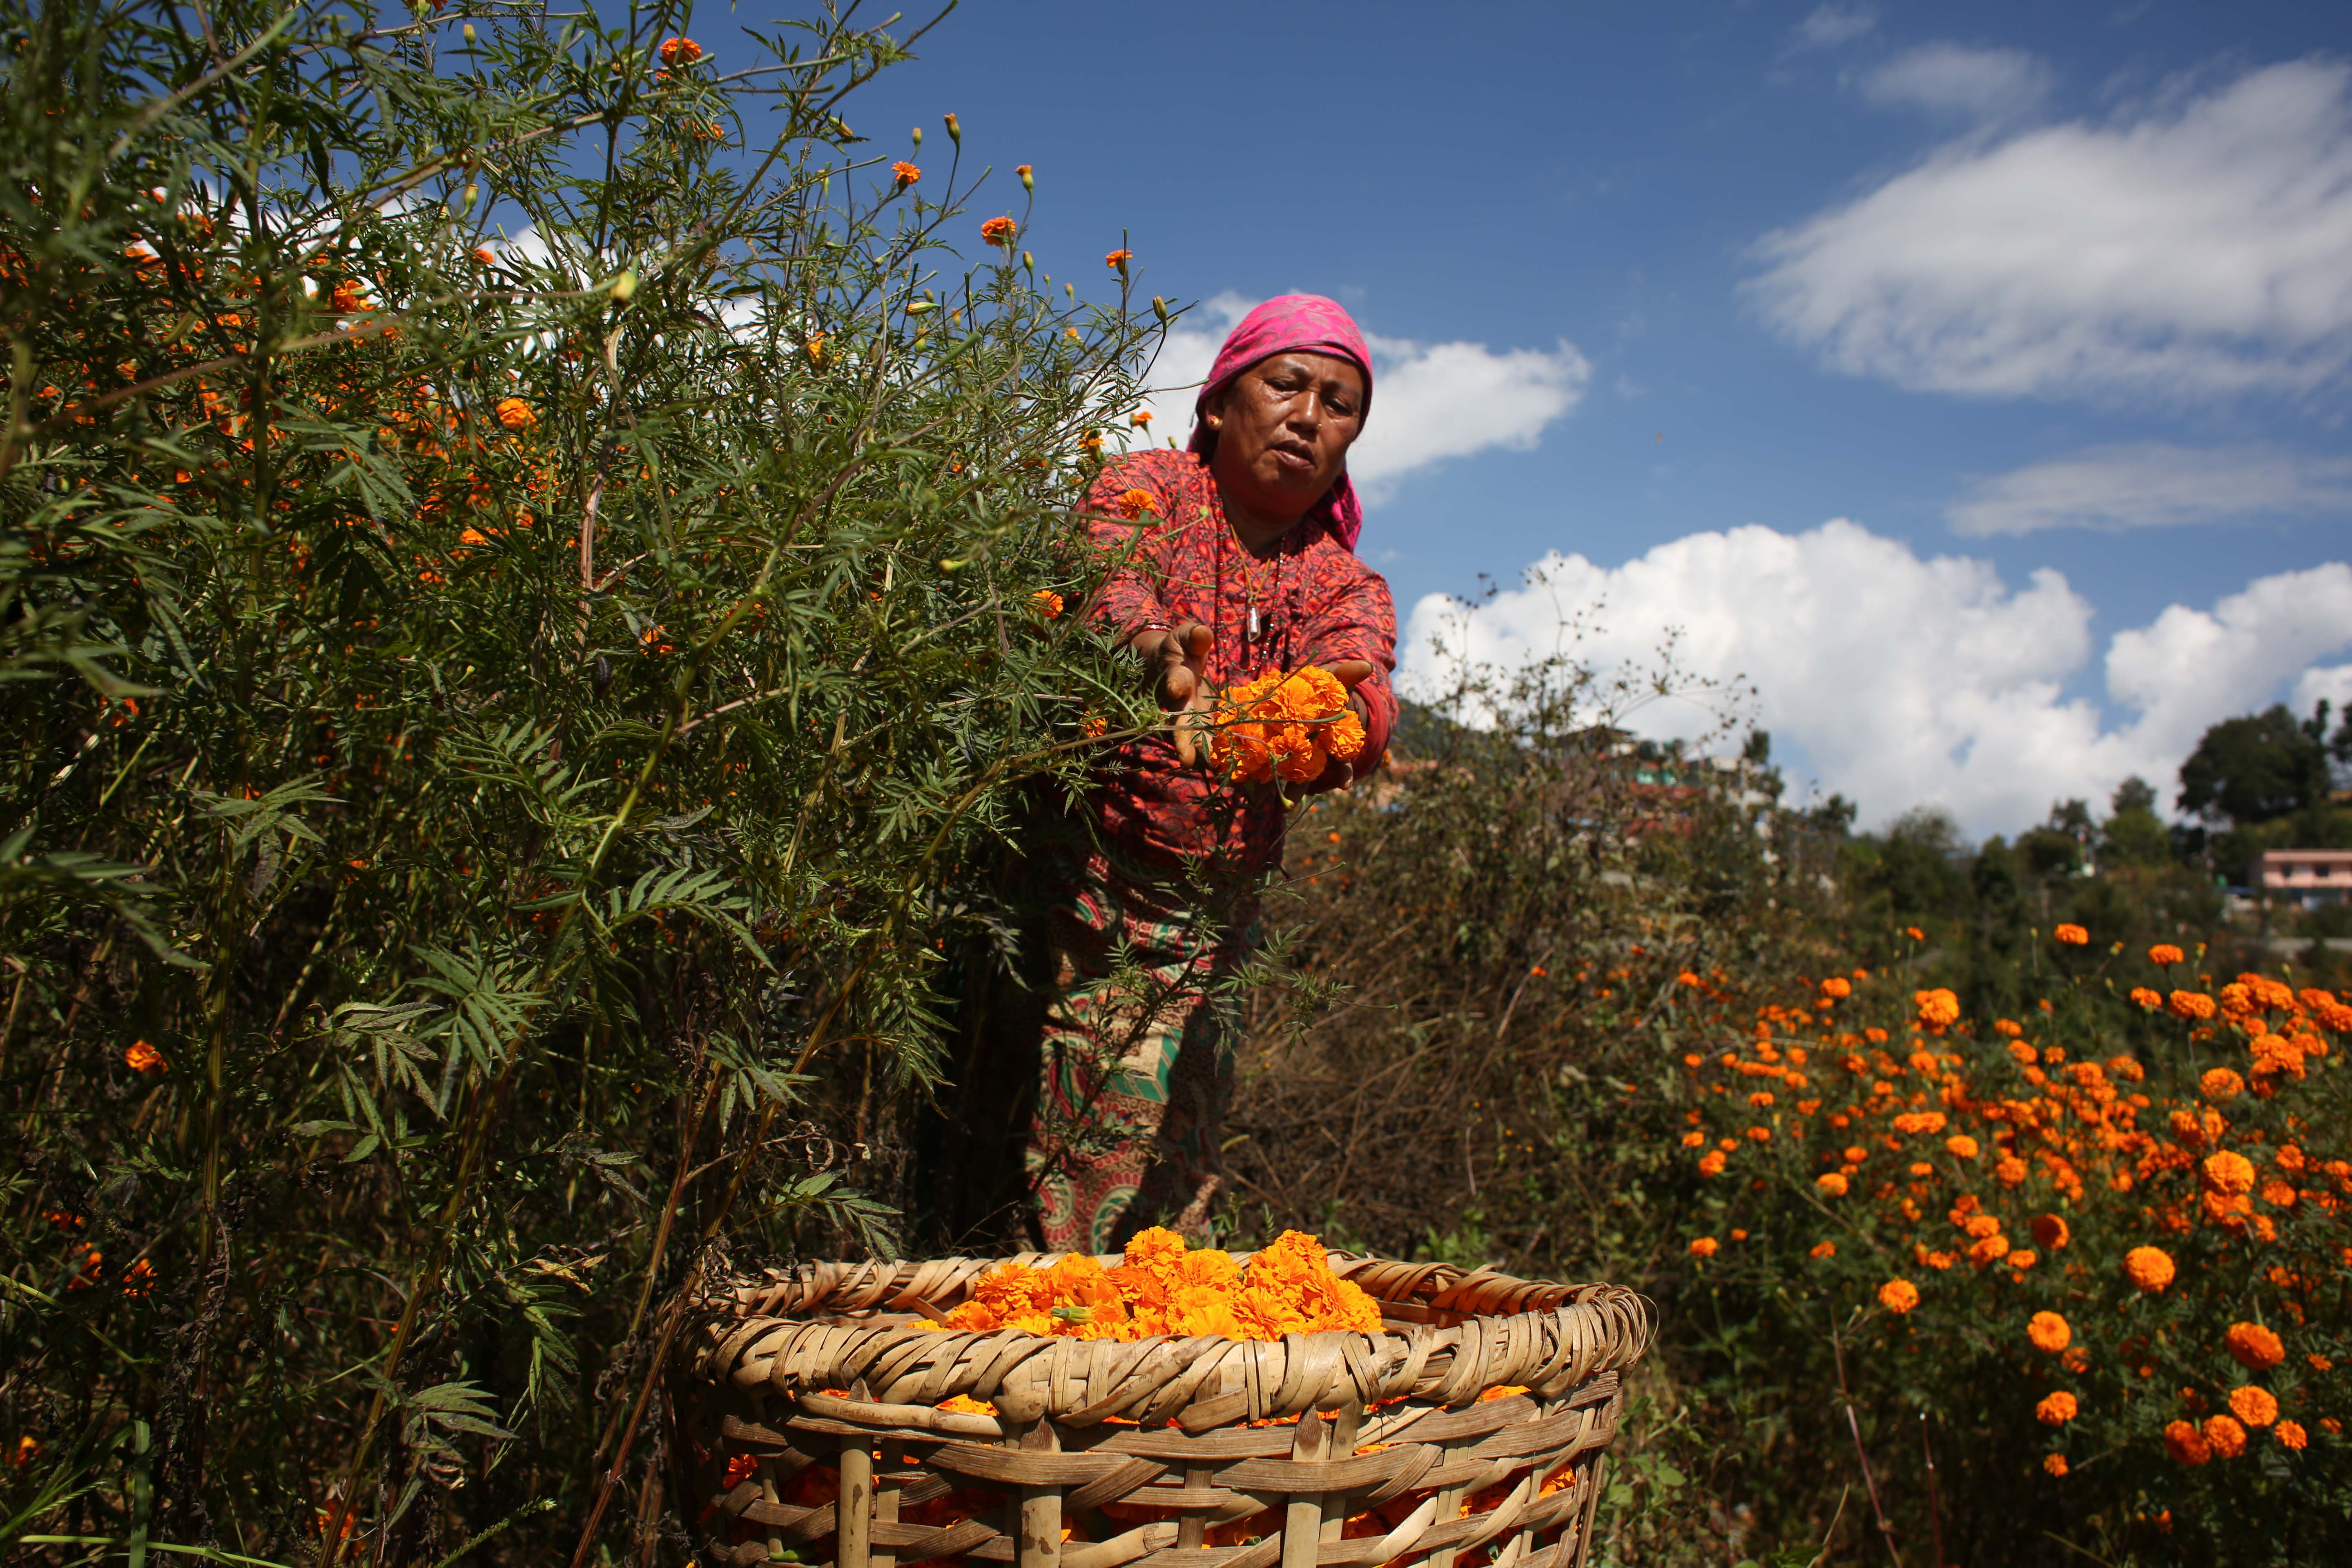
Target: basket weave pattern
[(1335, 1448)]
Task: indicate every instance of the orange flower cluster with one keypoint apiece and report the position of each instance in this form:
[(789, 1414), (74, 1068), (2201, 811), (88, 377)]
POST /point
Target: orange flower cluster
[(1164, 1288), (2139, 1208), (1289, 727), (998, 231)]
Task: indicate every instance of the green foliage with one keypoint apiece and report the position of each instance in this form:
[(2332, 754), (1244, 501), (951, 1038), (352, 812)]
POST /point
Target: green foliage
[(2256, 767), (518, 619)]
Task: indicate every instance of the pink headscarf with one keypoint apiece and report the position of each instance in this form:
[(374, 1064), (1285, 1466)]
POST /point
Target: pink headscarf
[(1281, 324)]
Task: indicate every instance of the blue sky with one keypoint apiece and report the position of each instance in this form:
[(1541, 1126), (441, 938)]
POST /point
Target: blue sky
[(2051, 304)]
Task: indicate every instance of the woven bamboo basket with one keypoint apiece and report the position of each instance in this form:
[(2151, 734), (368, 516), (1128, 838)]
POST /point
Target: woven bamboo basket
[(1469, 1433)]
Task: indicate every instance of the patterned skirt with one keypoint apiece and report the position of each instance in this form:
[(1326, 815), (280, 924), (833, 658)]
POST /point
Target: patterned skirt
[(1137, 1068)]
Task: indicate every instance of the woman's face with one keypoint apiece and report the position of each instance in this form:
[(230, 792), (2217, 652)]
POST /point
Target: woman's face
[(1284, 429)]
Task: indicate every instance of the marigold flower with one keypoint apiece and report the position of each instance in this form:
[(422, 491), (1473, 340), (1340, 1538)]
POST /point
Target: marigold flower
[(1048, 603), (2055, 1409), (2186, 1444), (2220, 1084), (1117, 260), (515, 413), (2226, 1438), (2149, 1268), (1704, 1246), (680, 51), (1899, 1296), (1913, 932), (2054, 1464), (1962, 1145), (2148, 1000), (2164, 955), (1711, 1163), (2290, 1434), (484, 255), (1140, 418), (1837, 986), (1831, 1182), (1133, 504), (904, 173), (143, 1058), (2194, 1005), (2253, 1346), (2050, 1231), (2228, 1173), (2049, 1332), (2024, 1258), (2071, 936), (1938, 1008), (1761, 1134), (2010, 1172), (1694, 1140), (998, 231), (1094, 726), (1823, 1249), (2320, 1363), (2254, 1407)]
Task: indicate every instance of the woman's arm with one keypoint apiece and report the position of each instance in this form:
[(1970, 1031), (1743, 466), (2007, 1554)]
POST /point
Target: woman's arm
[(1354, 634)]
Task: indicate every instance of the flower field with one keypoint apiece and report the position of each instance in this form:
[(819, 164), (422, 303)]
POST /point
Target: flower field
[(2104, 1244)]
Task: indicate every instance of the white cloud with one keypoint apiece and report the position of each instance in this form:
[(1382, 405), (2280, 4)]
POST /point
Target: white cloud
[(1829, 26), (1899, 681), (1954, 78), (1430, 400), (2195, 250), (2155, 485)]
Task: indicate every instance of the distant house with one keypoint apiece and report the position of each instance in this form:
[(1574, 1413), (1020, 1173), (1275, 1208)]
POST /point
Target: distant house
[(2308, 877)]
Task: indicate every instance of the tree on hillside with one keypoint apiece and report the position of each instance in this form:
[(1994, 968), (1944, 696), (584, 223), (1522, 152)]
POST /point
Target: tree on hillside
[(2260, 767), (2134, 834)]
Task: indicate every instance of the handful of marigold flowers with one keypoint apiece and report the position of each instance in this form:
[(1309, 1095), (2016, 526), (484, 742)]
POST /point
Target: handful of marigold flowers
[(1288, 726), (1162, 1288)]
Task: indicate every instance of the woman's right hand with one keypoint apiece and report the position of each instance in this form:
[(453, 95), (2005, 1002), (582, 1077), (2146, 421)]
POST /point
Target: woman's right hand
[(1176, 662)]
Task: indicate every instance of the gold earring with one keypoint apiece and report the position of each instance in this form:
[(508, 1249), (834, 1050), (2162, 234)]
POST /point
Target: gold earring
[(1216, 422)]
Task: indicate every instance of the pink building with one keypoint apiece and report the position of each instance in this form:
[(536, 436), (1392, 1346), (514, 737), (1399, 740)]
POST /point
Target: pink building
[(2308, 877)]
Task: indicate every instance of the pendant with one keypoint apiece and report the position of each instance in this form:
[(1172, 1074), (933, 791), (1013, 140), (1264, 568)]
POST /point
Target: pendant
[(1254, 627)]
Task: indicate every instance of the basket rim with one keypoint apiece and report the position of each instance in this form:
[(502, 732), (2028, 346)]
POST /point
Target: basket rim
[(1449, 1335)]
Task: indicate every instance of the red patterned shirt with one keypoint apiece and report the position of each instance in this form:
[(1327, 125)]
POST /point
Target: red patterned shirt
[(1313, 602)]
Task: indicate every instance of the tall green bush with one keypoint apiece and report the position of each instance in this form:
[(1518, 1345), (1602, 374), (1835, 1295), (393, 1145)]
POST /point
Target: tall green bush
[(521, 625)]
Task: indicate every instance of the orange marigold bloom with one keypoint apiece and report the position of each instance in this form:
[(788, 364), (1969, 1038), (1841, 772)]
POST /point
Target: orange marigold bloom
[(2024, 1258), (1831, 1182), (2254, 1407), (1704, 1246), (1761, 1135), (1962, 1145), (2186, 1444), (2218, 1084), (2071, 936), (906, 173), (998, 231), (1938, 1008), (1899, 1296), (143, 1058), (2054, 1464), (2253, 1346), (2056, 1409), (2050, 1231), (1117, 260), (1823, 1249), (1133, 504), (2150, 1000), (2194, 1005), (1694, 1140), (2228, 1173), (1837, 986), (484, 255), (2149, 1268), (515, 413), (2049, 1332), (1048, 603), (2010, 1172), (680, 51), (2164, 955), (1712, 1164), (2290, 1434), (2225, 1435), (1913, 932), (1094, 726)]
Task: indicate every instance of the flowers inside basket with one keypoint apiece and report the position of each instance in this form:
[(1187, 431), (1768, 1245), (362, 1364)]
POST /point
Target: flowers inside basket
[(1180, 1410)]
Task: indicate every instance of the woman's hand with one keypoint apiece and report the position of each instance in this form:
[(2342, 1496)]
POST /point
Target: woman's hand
[(1349, 672), (1177, 662)]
